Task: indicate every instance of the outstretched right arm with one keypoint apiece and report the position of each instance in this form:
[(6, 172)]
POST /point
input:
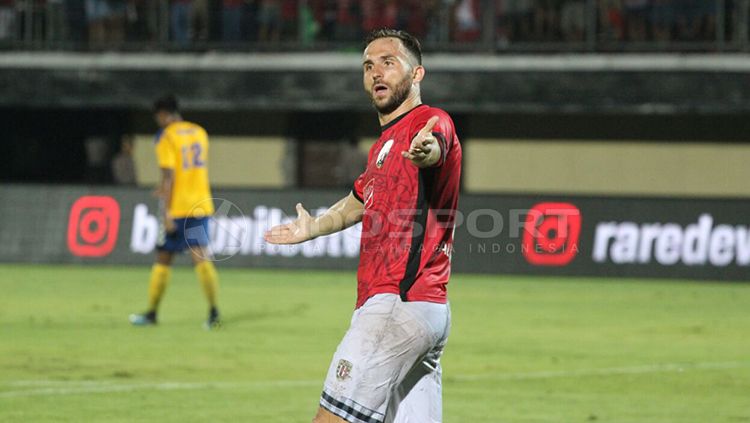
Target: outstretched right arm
[(346, 212)]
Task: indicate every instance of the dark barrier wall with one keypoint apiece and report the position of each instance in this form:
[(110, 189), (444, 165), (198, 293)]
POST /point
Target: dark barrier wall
[(582, 83), (526, 91), (685, 238)]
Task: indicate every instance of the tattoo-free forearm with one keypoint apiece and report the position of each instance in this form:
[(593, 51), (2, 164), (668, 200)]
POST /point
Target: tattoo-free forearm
[(165, 188), (345, 213)]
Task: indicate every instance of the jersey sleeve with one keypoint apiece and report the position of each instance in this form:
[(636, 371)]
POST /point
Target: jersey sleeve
[(443, 131), (165, 154), (358, 188)]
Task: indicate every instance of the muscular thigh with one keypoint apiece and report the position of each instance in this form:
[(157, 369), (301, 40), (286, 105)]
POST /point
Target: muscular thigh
[(382, 345)]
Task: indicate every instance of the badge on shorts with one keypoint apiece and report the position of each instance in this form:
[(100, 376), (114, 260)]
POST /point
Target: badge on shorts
[(343, 370)]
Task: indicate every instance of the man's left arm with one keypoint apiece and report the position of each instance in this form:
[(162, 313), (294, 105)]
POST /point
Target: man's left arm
[(164, 193), (166, 159)]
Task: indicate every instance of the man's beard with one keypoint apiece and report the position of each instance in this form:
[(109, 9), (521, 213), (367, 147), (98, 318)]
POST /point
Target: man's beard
[(400, 94)]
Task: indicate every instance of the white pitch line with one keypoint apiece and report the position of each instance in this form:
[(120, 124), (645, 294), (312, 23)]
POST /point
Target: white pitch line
[(52, 387), (611, 371), (58, 382)]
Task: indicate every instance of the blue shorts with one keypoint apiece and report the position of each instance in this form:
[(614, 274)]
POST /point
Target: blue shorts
[(189, 232)]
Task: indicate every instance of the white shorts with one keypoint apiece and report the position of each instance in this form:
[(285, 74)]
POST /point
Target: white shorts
[(387, 367)]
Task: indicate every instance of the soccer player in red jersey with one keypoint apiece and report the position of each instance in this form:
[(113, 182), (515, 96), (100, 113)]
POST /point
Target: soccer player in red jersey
[(387, 367)]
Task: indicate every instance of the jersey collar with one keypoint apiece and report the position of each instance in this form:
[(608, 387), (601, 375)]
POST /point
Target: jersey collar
[(398, 118)]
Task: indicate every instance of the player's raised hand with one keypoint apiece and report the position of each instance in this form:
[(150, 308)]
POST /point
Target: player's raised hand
[(424, 150), (293, 232)]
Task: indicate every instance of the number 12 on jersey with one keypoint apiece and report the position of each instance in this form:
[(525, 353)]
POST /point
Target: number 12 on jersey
[(191, 156)]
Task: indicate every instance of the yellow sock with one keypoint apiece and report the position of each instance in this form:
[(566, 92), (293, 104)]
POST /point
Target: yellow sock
[(157, 284), (209, 280)]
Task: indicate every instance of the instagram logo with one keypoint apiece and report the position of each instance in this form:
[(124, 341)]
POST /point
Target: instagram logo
[(551, 233), (92, 227)]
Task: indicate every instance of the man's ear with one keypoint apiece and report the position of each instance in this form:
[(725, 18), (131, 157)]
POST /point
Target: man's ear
[(418, 73)]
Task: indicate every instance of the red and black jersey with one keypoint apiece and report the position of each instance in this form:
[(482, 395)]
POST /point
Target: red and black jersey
[(409, 218)]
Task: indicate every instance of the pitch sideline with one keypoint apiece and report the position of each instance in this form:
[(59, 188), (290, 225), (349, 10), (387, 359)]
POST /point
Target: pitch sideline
[(52, 387)]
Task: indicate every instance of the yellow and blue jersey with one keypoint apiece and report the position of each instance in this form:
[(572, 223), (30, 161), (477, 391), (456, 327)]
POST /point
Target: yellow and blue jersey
[(183, 148)]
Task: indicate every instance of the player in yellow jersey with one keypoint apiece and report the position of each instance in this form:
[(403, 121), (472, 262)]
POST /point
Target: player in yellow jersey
[(185, 206)]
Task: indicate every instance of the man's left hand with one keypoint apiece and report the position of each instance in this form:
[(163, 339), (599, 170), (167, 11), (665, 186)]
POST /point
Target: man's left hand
[(424, 150)]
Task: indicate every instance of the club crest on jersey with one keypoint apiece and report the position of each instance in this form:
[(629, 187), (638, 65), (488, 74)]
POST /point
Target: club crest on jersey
[(384, 153), (343, 370)]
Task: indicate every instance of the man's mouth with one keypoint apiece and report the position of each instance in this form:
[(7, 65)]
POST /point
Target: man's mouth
[(379, 90)]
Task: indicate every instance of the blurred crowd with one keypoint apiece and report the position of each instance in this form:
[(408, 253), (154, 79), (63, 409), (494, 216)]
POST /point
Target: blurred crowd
[(186, 23), (113, 24), (613, 20)]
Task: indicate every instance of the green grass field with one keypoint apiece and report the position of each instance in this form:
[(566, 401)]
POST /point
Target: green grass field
[(522, 349)]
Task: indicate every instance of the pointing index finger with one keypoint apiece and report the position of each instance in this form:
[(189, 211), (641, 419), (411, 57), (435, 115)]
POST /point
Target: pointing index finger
[(430, 124)]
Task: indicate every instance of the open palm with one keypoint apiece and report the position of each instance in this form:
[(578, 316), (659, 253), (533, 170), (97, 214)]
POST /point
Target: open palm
[(294, 232)]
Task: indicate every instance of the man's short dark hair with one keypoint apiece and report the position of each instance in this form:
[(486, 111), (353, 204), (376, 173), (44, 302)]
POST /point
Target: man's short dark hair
[(409, 41), (167, 103)]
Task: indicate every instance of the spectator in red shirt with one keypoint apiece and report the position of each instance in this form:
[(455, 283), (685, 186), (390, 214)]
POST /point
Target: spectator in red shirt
[(611, 21)]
